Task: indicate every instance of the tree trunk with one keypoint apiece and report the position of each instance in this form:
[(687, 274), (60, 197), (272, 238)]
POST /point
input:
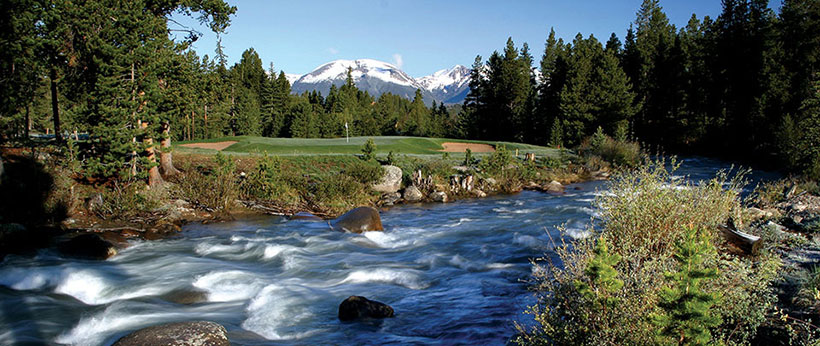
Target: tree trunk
[(166, 162), (193, 125), (206, 123), (55, 110), (28, 123), (154, 178)]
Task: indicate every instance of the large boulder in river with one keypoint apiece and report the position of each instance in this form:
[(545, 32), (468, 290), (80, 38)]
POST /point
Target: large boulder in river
[(358, 220), (88, 245), (355, 307), (197, 333), (390, 181)]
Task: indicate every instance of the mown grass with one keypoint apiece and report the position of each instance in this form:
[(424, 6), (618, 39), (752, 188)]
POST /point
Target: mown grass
[(340, 146)]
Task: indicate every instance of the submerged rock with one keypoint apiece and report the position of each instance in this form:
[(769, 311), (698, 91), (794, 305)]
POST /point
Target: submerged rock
[(88, 245), (186, 296), (303, 215), (358, 220), (355, 307), (412, 194), (390, 181), (198, 333)]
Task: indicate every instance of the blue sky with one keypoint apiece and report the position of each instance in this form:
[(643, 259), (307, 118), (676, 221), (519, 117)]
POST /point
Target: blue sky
[(423, 36)]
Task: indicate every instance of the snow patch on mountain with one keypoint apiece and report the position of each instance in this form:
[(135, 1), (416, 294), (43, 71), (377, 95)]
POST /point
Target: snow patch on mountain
[(292, 77), (454, 77)]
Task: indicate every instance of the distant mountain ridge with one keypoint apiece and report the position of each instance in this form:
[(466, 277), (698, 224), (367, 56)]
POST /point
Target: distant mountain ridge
[(378, 77)]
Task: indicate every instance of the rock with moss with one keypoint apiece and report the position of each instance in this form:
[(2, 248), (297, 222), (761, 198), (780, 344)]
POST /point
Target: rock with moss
[(390, 181), (197, 333), (413, 194)]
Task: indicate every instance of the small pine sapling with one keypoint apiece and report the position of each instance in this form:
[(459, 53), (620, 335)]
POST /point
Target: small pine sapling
[(603, 278), (685, 316)]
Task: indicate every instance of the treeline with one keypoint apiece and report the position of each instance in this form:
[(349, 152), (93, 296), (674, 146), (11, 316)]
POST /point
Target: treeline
[(744, 85), (123, 73)]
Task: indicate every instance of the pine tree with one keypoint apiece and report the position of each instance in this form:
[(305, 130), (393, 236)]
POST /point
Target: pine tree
[(602, 277), (686, 317)]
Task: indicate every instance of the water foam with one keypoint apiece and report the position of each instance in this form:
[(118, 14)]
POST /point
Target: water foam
[(406, 277), (278, 310), (224, 286)]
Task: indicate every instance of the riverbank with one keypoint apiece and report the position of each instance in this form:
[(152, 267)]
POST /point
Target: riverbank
[(54, 202)]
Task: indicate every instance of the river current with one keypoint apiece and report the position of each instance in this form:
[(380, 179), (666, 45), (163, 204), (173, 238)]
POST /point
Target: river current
[(455, 273)]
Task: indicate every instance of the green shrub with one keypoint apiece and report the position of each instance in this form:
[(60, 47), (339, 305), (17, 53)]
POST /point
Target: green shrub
[(644, 215), (268, 182), (497, 162), (125, 200), (211, 188), (618, 152), (364, 172), (369, 150)]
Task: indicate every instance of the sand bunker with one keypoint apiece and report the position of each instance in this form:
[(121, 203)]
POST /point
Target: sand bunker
[(462, 147), (215, 145)]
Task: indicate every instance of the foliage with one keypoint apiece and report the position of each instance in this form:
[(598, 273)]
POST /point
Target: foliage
[(364, 172), (602, 277), (391, 159), (686, 317), (213, 188), (497, 162), (619, 153), (369, 150), (123, 201), (648, 214)]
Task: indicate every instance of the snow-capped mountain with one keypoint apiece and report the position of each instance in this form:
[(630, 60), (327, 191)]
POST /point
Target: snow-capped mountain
[(378, 77), (292, 77), (373, 76), (448, 85)]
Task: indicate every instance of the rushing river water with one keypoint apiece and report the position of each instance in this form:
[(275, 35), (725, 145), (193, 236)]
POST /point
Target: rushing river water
[(454, 273)]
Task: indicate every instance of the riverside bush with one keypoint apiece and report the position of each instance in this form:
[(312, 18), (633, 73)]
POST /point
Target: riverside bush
[(212, 188), (620, 153), (364, 172), (643, 216)]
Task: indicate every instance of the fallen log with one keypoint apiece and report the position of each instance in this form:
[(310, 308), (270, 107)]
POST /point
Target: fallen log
[(749, 244)]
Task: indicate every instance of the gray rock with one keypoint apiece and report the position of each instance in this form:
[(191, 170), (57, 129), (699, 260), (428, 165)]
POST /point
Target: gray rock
[(438, 196), (478, 193), (390, 181), (412, 194), (358, 220), (355, 307), (198, 333), (390, 198), (554, 187), (490, 181)]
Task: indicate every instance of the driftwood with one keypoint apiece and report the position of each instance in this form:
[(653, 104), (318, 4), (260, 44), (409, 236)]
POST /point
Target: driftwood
[(747, 243)]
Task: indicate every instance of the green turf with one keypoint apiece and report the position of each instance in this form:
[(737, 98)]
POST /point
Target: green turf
[(337, 146)]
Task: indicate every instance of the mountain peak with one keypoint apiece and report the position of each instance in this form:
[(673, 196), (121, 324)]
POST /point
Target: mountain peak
[(378, 77)]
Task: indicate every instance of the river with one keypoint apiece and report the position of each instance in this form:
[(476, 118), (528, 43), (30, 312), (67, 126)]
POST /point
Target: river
[(455, 273)]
